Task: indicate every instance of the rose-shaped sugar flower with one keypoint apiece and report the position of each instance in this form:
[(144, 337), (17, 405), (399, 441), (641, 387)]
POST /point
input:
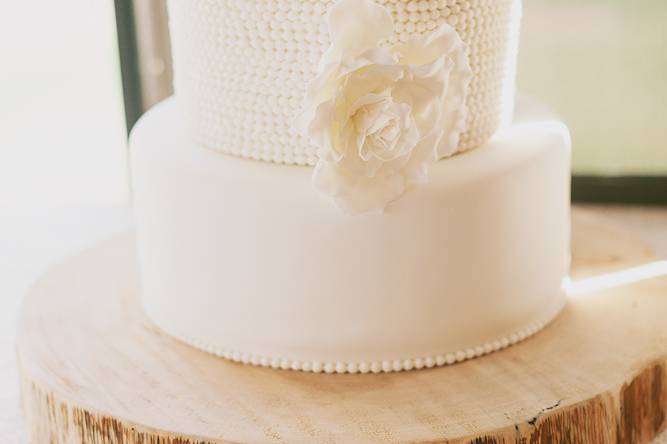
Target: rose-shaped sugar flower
[(381, 114)]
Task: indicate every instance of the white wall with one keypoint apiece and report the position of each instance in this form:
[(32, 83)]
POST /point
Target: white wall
[(62, 128)]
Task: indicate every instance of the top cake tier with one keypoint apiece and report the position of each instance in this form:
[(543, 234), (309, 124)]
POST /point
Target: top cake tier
[(242, 67)]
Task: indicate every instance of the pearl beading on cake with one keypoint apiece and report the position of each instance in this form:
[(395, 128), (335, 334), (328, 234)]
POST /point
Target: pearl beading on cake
[(242, 66), (373, 366)]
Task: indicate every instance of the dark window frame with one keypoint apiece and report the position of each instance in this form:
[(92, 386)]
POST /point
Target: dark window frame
[(622, 189), (128, 52)]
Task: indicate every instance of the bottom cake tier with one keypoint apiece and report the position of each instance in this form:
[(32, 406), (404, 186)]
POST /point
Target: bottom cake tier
[(246, 260)]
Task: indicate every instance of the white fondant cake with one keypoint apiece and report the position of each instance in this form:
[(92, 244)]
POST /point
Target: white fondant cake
[(244, 259), (392, 253)]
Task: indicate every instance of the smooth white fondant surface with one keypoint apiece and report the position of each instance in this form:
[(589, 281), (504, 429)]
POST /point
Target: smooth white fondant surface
[(245, 259)]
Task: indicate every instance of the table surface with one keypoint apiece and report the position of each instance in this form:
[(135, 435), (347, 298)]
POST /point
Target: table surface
[(32, 238)]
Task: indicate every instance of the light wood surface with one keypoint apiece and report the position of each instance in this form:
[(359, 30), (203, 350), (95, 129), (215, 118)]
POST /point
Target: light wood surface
[(94, 370)]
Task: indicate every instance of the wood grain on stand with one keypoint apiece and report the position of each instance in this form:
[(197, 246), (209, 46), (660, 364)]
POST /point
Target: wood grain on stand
[(94, 370)]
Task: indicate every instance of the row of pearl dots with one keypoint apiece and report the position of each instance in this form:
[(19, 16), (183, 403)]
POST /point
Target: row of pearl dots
[(296, 43), (280, 152), (252, 79), (383, 366), (281, 33)]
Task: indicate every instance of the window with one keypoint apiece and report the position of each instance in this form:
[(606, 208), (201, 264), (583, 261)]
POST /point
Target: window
[(602, 65)]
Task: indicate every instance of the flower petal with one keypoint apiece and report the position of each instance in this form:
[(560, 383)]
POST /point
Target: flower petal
[(426, 48), (356, 26), (357, 195)]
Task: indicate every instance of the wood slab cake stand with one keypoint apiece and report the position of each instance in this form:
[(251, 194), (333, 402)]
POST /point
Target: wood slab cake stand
[(94, 370)]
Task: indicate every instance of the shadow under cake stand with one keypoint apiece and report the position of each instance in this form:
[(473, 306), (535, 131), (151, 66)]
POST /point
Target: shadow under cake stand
[(94, 370)]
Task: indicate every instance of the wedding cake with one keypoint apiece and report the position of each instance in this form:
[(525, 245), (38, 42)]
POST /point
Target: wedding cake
[(350, 185)]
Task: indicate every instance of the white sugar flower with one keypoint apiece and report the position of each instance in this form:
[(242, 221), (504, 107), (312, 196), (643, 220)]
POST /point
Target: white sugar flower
[(380, 114)]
